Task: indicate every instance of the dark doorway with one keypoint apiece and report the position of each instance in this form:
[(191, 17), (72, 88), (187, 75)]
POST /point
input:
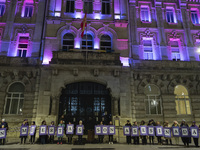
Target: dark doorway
[(86, 101)]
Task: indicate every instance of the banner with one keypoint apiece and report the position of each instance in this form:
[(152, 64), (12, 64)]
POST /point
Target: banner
[(134, 131), (184, 132), (32, 130), (126, 130), (111, 130), (43, 130), (175, 131), (70, 129), (151, 131), (104, 130), (194, 132), (98, 130), (159, 131), (2, 133), (24, 131), (51, 130), (143, 130), (60, 130), (167, 132), (79, 130)]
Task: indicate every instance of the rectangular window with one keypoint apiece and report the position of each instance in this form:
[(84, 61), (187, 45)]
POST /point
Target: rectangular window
[(2, 9), (175, 50), (28, 11), (88, 6), (170, 15), (148, 51), (105, 7), (194, 17), (153, 105), (22, 46), (145, 14), (70, 6)]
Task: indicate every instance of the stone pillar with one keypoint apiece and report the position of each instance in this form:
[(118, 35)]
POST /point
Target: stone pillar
[(38, 29), (195, 104), (161, 31), (134, 53), (115, 106), (5, 43)]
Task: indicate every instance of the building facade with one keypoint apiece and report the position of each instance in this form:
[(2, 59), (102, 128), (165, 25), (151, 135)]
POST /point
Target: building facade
[(137, 60)]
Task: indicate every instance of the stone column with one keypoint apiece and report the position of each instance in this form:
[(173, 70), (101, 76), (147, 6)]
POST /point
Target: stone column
[(38, 29), (5, 43), (161, 32), (195, 105), (115, 102)]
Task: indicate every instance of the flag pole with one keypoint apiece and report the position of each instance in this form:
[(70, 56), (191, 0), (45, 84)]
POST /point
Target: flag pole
[(86, 33)]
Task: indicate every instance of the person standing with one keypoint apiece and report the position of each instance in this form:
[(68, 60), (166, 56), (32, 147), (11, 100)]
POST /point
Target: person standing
[(185, 139), (69, 137), (3, 124), (128, 138), (24, 124), (143, 137), (175, 124), (196, 140), (110, 136), (60, 138), (166, 124), (136, 138), (43, 137), (151, 138), (159, 138), (80, 136), (33, 136), (51, 137), (101, 136)]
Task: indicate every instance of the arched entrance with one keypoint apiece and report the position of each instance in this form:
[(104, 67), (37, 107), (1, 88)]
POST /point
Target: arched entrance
[(87, 101)]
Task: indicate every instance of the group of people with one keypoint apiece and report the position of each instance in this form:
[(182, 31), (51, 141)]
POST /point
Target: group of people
[(160, 139), (3, 124)]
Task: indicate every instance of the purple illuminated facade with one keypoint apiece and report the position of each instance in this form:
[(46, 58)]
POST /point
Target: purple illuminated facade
[(144, 54)]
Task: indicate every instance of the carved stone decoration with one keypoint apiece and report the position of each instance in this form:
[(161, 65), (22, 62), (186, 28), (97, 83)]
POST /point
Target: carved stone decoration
[(75, 72), (55, 72), (175, 35), (96, 72), (148, 34), (24, 28), (116, 73)]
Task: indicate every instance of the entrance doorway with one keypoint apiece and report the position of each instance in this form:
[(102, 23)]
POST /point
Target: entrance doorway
[(86, 101)]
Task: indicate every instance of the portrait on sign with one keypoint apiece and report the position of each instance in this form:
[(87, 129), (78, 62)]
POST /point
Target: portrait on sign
[(51, 130)]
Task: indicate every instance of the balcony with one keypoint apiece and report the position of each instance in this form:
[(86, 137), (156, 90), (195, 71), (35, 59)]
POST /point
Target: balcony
[(86, 57)]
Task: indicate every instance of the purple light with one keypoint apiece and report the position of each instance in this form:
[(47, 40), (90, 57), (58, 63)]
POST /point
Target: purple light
[(58, 6), (97, 16), (24, 5), (124, 61), (47, 56)]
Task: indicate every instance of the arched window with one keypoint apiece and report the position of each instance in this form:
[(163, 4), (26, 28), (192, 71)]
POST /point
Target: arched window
[(182, 100), (105, 43), (14, 99), (153, 101), (87, 41), (68, 42)]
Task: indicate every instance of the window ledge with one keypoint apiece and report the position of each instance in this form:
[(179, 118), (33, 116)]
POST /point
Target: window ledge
[(196, 24), (146, 22), (171, 23)]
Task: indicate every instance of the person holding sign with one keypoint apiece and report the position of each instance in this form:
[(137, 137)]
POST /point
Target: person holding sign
[(70, 130), (159, 138), (151, 136), (195, 133), (100, 137), (135, 138), (176, 138), (185, 139), (166, 124), (3, 125), (128, 137), (60, 132), (143, 137), (43, 136), (111, 132), (51, 136), (79, 130), (33, 132), (24, 131)]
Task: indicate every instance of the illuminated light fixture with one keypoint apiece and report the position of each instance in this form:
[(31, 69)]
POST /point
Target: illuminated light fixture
[(97, 16), (57, 14), (117, 16), (198, 50), (154, 102), (124, 61), (78, 15)]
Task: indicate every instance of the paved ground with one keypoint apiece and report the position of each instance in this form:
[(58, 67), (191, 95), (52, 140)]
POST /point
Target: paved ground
[(93, 147)]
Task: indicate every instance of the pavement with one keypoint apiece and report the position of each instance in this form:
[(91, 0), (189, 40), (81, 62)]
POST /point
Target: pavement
[(94, 147)]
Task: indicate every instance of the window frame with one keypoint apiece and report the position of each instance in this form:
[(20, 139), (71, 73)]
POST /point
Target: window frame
[(106, 47), (158, 99), (174, 15), (87, 41), (174, 52), (90, 2), (2, 13), (185, 99), (197, 13), (148, 53), (70, 1), (149, 15), (67, 40), (29, 5), (107, 3)]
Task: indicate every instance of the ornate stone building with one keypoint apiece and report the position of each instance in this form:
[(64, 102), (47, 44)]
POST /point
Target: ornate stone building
[(137, 60)]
